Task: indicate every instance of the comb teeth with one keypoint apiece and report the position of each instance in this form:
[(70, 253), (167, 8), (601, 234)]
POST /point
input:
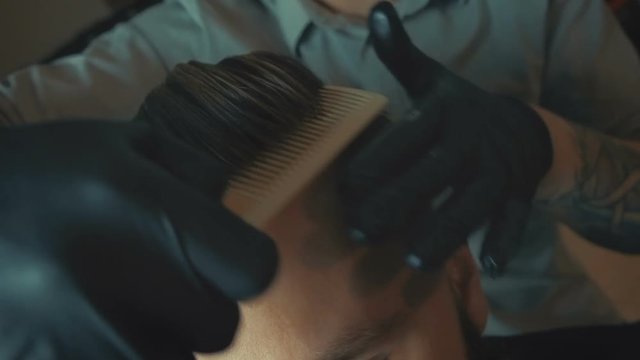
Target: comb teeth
[(261, 190)]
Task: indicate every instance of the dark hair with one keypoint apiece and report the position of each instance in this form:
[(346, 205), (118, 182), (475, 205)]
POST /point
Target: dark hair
[(236, 108), (240, 107)]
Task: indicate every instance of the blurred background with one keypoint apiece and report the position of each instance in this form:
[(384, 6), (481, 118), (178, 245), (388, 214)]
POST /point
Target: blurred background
[(34, 30), (41, 30)]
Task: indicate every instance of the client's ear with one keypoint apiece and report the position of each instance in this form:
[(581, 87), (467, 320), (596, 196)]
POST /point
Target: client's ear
[(464, 277)]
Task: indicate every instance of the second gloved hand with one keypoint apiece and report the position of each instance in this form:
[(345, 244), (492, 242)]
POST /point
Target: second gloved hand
[(491, 150), (114, 245)]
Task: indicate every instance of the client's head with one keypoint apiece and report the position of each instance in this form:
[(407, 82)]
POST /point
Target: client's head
[(331, 300)]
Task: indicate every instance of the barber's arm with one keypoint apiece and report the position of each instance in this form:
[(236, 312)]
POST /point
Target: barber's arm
[(492, 153), (114, 245), (592, 82), (593, 184)]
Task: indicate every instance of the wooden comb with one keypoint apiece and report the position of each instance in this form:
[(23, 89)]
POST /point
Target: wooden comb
[(261, 190)]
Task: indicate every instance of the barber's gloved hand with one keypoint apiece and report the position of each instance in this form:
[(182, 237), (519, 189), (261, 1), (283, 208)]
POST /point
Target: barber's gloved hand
[(114, 245), (491, 150)]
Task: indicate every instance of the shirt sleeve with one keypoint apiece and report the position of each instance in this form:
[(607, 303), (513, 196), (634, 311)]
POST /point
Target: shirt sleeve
[(592, 71), (108, 80)]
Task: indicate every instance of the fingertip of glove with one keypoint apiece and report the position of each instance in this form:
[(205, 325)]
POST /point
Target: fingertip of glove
[(381, 22), (241, 263), (267, 268), (379, 13), (260, 267), (491, 266), (222, 334), (414, 261)]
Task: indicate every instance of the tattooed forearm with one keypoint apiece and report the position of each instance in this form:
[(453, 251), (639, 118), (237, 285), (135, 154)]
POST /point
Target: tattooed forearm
[(604, 206)]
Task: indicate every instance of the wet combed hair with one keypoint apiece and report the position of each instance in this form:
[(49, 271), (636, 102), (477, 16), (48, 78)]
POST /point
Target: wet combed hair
[(236, 108)]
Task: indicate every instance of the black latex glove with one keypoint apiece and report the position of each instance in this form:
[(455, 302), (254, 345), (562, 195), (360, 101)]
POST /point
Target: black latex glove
[(113, 245), (491, 150)]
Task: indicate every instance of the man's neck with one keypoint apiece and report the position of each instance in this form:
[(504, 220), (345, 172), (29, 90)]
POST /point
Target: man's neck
[(351, 8)]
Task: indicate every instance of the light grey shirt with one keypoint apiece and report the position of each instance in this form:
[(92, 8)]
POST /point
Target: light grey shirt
[(567, 55)]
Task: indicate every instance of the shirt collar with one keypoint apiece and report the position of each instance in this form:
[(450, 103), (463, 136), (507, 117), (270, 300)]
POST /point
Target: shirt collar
[(409, 7), (294, 16)]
